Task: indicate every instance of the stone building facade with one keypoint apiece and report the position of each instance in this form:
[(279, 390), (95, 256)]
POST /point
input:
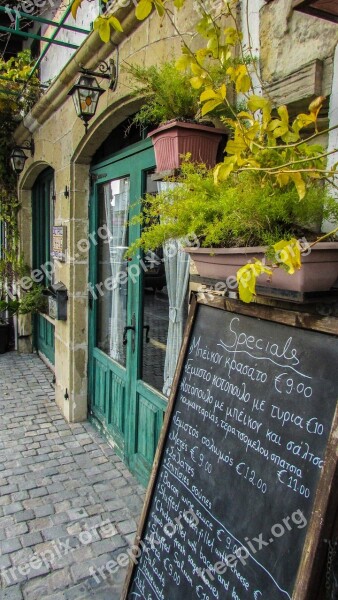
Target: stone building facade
[(297, 57)]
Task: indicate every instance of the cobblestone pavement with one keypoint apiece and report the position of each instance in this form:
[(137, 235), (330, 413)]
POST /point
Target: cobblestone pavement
[(67, 502)]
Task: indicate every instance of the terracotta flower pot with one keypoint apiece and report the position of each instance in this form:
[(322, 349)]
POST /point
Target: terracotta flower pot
[(318, 273), (176, 138)]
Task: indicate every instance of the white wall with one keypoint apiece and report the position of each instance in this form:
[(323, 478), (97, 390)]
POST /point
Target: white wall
[(250, 29), (58, 56)]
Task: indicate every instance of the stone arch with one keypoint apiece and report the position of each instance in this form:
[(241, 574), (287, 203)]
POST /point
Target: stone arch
[(77, 281), (31, 174), (103, 125)]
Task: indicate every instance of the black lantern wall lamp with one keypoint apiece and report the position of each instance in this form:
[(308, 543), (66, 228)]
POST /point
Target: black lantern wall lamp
[(86, 91), (18, 158)]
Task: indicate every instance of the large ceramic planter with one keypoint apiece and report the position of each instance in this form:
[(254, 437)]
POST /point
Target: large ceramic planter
[(4, 337), (176, 138), (318, 273)]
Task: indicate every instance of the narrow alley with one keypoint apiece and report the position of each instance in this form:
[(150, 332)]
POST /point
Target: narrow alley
[(68, 504)]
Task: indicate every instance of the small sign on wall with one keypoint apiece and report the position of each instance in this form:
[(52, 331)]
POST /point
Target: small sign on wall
[(59, 244)]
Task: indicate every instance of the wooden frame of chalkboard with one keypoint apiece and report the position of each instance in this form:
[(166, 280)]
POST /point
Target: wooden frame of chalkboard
[(309, 581)]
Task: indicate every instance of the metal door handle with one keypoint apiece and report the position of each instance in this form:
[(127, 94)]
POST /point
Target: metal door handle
[(127, 328), (146, 327)]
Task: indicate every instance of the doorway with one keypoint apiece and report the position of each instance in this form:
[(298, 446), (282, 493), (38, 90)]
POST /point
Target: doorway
[(128, 312)]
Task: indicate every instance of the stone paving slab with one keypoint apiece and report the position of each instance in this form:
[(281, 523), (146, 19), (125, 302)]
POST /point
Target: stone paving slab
[(68, 505)]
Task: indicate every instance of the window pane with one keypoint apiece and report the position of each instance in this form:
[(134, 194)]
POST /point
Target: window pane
[(112, 273)]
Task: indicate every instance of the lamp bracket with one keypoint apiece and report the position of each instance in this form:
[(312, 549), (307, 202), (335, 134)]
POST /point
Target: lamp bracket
[(27, 146), (105, 71)]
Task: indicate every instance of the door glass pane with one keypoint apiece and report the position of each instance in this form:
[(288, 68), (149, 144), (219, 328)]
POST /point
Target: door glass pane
[(156, 317), (156, 314), (112, 267)]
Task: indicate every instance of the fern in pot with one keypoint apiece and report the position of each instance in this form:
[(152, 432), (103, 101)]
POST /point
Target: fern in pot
[(245, 223), (171, 111)]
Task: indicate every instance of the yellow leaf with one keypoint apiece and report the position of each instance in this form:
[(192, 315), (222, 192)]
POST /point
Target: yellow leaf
[(196, 69), (243, 81), (223, 91), (115, 23), (104, 30), (201, 54), (243, 84), (236, 146), (210, 105), (246, 280), (223, 170), (283, 179), (299, 183), (179, 3), (290, 138), (208, 94), (280, 131), (258, 103), (232, 36), (196, 82), (284, 115), (75, 6), (247, 277), (183, 62), (159, 7), (143, 9), (97, 23), (316, 105), (245, 115), (287, 252), (302, 120)]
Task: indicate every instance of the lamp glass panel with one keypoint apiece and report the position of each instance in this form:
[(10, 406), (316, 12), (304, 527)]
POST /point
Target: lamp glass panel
[(18, 159), (76, 100), (88, 101)]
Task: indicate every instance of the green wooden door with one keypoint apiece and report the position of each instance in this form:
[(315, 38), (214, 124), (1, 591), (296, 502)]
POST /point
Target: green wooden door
[(129, 410), (42, 219)]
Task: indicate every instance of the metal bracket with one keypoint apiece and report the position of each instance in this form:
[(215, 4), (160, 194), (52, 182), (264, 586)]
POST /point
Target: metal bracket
[(94, 178)]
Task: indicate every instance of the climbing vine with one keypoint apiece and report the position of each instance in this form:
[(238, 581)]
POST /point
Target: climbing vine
[(18, 93)]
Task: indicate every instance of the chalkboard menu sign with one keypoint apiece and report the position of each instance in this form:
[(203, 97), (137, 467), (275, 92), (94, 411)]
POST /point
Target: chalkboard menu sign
[(242, 457)]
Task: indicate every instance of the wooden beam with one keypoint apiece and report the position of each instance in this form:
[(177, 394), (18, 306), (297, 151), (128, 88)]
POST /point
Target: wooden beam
[(323, 9), (305, 84)]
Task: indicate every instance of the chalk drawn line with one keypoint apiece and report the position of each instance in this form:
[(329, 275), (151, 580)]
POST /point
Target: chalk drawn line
[(262, 358)]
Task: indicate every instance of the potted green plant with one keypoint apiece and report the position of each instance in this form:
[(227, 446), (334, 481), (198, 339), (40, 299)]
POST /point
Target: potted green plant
[(171, 110), (239, 220)]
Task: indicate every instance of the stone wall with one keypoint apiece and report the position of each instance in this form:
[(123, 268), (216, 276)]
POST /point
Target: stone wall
[(290, 39), (61, 143)]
